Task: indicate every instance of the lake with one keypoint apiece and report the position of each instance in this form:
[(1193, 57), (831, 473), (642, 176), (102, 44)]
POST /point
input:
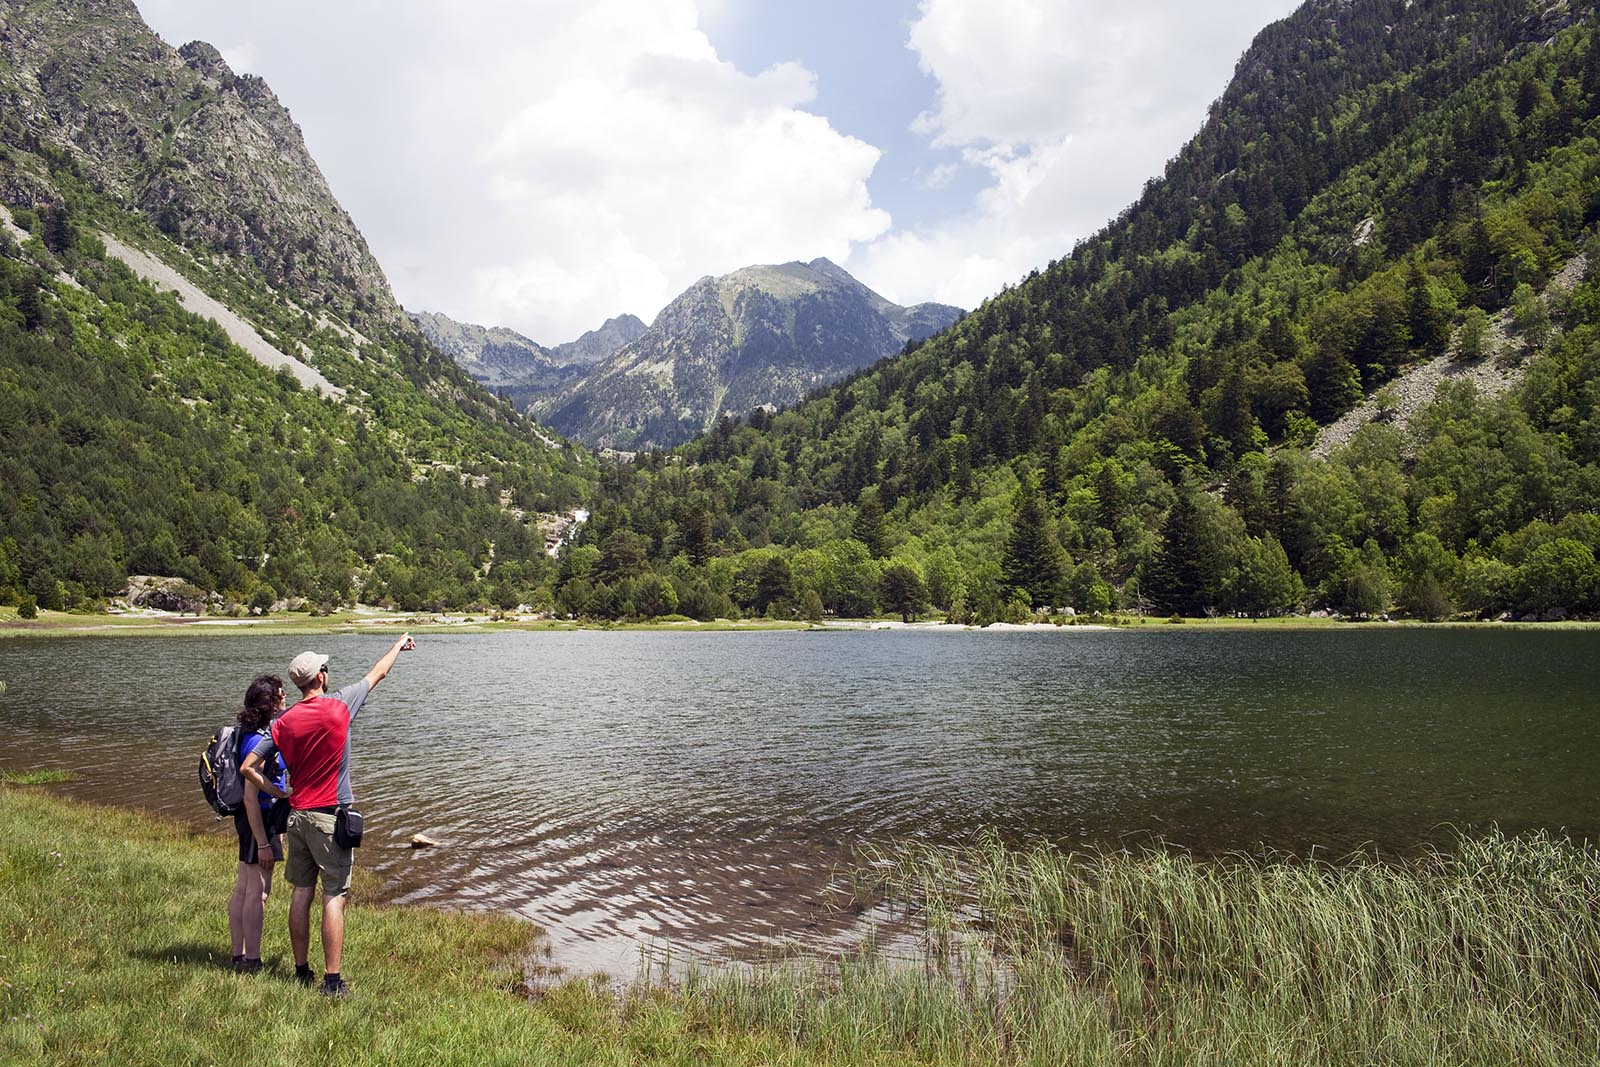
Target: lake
[(628, 788)]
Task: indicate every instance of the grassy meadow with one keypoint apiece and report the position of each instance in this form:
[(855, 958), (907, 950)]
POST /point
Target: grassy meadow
[(113, 948)]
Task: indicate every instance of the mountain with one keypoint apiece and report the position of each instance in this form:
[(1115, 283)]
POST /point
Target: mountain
[(211, 157), (203, 372), (597, 346), (517, 368), (502, 360), (1384, 185), (760, 336)]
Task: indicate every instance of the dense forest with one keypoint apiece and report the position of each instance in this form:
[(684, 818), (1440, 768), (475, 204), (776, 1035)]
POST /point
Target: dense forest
[(137, 439), (1383, 183)]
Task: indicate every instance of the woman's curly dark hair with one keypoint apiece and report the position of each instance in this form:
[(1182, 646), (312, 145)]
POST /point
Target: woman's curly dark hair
[(261, 702)]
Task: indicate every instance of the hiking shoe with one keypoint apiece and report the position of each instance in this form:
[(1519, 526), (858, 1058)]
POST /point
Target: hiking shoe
[(336, 987), (304, 976)]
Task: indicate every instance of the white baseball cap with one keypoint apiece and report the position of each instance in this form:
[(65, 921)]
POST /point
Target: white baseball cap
[(303, 671)]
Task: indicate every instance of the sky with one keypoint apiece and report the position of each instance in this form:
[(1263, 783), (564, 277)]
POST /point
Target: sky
[(546, 164)]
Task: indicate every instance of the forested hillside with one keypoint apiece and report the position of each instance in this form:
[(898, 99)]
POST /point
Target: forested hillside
[(136, 438), (1127, 428)]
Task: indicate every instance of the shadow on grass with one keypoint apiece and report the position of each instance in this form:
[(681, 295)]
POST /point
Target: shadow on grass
[(205, 957)]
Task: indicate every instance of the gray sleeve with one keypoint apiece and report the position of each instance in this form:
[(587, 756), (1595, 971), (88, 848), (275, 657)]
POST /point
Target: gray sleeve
[(353, 696), (267, 750)]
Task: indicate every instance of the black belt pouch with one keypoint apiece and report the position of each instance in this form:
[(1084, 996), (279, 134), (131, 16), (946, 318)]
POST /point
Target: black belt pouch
[(348, 826)]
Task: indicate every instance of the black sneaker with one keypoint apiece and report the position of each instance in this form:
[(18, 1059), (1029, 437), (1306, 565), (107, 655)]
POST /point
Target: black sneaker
[(304, 976), (248, 966), (335, 987)]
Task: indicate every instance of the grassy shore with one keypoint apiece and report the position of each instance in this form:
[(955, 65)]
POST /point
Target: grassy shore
[(68, 624), (113, 948)]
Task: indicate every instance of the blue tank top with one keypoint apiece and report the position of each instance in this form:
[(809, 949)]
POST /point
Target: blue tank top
[(273, 771)]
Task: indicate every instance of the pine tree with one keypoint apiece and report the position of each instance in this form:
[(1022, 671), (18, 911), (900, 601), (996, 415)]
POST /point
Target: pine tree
[(697, 536), (1333, 384), (1430, 327), (1176, 579), (1034, 562), (904, 591), (869, 525)]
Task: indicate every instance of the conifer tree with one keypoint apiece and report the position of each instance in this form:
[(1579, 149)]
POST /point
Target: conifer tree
[(1430, 327), (869, 525), (903, 590), (1176, 579), (1034, 562)]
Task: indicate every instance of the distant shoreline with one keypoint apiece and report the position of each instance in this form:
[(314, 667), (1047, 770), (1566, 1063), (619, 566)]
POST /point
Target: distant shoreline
[(65, 624)]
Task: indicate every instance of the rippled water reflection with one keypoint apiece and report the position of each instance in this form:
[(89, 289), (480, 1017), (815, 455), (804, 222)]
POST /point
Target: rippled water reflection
[(621, 788)]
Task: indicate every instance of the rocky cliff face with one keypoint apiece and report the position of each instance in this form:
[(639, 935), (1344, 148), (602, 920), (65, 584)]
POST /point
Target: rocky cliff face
[(496, 356), (213, 158), (597, 346), (762, 335)]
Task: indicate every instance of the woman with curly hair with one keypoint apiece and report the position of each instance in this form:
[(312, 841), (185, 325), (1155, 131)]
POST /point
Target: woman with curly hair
[(259, 824)]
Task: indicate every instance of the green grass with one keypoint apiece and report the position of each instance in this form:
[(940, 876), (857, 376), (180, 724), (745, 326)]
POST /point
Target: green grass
[(36, 777), (113, 949), (1306, 622)]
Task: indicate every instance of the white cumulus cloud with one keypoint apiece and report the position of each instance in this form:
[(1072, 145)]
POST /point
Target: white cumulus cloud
[(646, 176), (1068, 107), (622, 159)]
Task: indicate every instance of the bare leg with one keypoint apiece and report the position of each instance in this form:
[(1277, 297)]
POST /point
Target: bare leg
[(254, 912), (300, 922), (242, 886), (333, 931)]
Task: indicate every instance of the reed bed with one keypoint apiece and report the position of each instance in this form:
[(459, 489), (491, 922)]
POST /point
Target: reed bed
[(1488, 953)]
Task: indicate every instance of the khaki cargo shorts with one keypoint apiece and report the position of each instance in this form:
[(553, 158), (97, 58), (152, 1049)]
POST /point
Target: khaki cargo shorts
[(311, 850)]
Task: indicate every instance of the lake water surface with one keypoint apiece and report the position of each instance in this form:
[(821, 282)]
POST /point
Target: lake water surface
[(624, 789)]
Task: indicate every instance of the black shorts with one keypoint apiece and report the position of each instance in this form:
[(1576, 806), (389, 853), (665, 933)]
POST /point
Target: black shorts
[(272, 820)]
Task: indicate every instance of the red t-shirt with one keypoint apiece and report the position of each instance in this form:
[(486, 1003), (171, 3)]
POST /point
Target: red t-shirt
[(314, 739)]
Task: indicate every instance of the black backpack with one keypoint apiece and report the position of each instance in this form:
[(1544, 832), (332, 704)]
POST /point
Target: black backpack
[(220, 779)]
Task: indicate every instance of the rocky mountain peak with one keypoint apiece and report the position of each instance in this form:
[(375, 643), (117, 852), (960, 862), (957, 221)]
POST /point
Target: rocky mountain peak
[(207, 62), (759, 336), (213, 158), (596, 346)]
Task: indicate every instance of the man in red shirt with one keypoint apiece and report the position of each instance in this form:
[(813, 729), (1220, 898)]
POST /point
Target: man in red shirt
[(313, 737)]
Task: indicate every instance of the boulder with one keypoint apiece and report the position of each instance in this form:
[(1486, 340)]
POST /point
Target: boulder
[(163, 593)]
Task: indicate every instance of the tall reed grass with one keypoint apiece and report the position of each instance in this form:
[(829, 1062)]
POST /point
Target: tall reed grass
[(1488, 953)]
